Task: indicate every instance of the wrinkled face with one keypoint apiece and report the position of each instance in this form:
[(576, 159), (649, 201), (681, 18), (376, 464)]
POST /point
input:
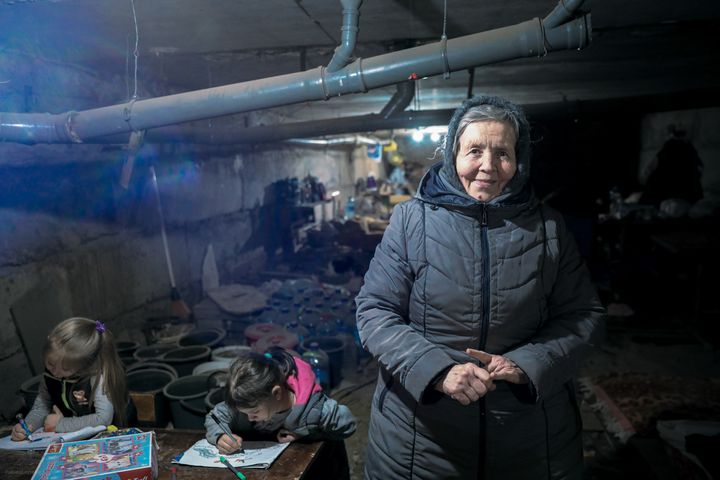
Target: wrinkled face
[(485, 159)]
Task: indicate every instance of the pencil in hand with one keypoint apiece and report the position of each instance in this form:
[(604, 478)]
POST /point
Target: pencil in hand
[(227, 432)]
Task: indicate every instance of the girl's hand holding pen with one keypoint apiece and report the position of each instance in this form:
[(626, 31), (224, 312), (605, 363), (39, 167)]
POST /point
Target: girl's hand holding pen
[(229, 444), (18, 433)]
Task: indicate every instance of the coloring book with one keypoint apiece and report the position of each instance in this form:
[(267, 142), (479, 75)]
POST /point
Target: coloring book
[(41, 438), (257, 455)]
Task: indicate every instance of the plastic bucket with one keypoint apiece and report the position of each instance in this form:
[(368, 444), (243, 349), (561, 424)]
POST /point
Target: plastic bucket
[(208, 368), (186, 388), (229, 353), (127, 361), (125, 348), (195, 409), (257, 330), (284, 339), (153, 365), (210, 337), (215, 396), (145, 387), (165, 329), (185, 359), (153, 352), (29, 390), (334, 347)]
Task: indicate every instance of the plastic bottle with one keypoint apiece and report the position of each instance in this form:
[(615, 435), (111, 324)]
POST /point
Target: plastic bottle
[(293, 326), (326, 328), (320, 364), (350, 209)]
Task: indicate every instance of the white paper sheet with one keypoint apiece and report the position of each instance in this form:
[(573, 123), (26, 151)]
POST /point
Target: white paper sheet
[(257, 455), (41, 438)]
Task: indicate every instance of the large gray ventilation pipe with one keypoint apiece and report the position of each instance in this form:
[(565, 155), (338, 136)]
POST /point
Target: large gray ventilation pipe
[(526, 39)]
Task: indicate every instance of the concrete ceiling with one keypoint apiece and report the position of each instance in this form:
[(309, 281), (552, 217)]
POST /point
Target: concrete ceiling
[(663, 48)]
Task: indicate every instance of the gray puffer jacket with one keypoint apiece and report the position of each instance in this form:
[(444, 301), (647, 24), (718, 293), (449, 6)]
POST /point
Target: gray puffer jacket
[(453, 273)]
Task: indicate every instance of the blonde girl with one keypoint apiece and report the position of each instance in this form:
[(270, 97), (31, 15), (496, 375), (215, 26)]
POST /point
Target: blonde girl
[(84, 383)]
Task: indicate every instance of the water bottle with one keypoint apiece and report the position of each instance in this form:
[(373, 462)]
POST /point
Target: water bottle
[(320, 364), (326, 328), (293, 326), (350, 209)]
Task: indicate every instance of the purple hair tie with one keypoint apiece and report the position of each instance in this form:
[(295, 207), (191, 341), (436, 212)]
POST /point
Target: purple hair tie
[(99, 326)]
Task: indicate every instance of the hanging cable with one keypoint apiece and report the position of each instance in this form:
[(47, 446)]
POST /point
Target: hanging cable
[(135, 52), (443, 43), (127, 67), (444, 34)]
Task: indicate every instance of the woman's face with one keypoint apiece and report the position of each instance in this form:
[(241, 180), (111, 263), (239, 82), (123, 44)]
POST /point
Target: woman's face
[(485, 160)]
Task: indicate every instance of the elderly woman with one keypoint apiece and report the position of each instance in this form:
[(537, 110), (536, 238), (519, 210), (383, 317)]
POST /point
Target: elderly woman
[(479, 311)]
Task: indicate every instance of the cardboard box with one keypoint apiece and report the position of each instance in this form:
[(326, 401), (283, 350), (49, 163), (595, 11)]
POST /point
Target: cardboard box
[(125, 457)]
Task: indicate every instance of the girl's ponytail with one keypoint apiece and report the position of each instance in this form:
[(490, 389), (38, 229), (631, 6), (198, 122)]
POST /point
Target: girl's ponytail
[(114, 376), (284, 359)]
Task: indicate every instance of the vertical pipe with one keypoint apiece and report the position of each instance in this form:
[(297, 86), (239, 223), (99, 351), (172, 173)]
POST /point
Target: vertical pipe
[(343, 53)]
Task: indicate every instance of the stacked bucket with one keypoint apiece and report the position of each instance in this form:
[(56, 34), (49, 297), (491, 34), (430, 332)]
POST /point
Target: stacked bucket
[(167, 385)]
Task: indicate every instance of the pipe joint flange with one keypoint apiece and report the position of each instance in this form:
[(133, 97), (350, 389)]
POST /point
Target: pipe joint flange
[(69, 130), (127, 113), (359, 76), (323, 82), (543, 39)]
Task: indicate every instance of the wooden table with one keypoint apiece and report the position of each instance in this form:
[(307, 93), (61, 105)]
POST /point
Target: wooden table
[(292, 464)]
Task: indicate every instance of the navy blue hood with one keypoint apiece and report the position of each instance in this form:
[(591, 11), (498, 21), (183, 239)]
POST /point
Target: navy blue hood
[(435, 189)]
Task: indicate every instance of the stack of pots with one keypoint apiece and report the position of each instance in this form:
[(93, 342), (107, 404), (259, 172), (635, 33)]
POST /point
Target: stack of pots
[(184, 359), (153, 352), (229, 353), (126, 349), (146, 382), (187, 400), (186, 393)]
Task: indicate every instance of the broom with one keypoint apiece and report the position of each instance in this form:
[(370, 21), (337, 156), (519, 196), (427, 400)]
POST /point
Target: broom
[(178, 306)]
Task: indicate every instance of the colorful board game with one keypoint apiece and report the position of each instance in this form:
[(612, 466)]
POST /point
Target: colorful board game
[(126, 457)]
